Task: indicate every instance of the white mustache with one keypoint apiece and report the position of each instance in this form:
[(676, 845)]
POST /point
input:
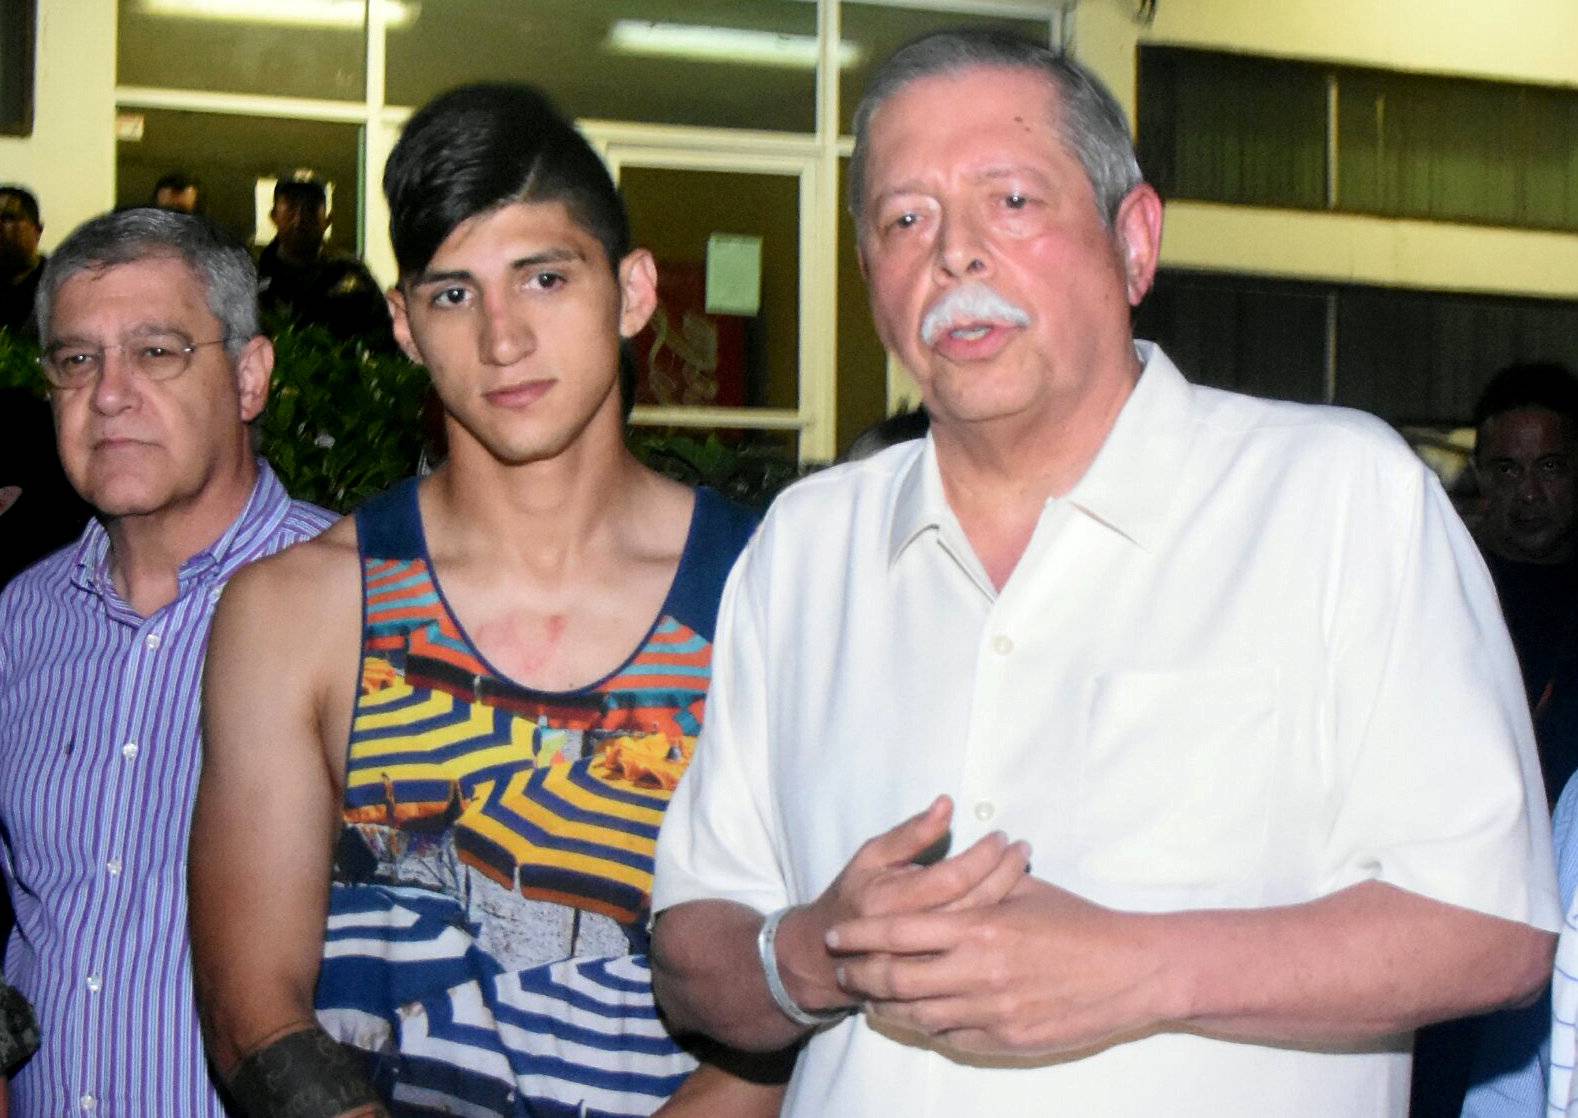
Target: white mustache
[(970, 302)]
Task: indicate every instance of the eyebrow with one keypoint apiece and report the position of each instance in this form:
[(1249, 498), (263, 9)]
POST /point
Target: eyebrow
[(141, 330), (531, 260)]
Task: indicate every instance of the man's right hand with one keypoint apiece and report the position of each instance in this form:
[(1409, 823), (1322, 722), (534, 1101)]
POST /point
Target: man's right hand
[(884, 878)]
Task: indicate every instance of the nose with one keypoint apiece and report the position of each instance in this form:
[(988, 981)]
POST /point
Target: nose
[(961, 250), (115, 389), (504, 335)]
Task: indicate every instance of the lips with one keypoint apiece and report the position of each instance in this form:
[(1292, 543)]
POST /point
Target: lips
[(118, 442), (974, 340), (521, 395)]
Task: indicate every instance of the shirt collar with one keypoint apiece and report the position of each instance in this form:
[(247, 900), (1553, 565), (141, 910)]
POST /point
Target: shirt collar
[(1127, 487), (918, 501), (236, 546), (1130, 483)]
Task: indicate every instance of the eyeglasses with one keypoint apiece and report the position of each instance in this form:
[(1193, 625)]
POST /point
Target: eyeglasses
[(67, 365)]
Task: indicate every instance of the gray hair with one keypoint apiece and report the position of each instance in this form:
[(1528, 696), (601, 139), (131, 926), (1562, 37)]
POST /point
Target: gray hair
[(225, 269), (1089, 119)]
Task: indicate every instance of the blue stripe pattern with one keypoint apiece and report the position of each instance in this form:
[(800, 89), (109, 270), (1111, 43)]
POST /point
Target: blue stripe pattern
[(547, 1040), (99, 746)]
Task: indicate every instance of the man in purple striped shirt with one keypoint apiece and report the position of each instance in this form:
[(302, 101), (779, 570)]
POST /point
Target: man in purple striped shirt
[(156, 366)]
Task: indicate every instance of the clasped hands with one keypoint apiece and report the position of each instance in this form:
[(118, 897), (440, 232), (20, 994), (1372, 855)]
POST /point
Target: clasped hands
[(971, 950)]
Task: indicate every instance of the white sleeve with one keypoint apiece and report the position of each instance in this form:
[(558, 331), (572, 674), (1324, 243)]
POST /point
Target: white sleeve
[(719, 834), (1442, 793)]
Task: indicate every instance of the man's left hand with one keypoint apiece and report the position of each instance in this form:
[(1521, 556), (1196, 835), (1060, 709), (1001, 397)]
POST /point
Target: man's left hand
[(1042, 971)]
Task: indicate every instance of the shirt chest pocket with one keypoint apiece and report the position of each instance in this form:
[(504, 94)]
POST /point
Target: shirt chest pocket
[(1177, 782)]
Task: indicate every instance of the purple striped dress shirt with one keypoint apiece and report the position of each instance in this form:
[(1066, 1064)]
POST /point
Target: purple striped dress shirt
[(99, 756)]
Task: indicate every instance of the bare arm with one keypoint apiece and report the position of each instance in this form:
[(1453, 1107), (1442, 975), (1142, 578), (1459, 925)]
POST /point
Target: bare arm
[(711, 1091), (1047, 971), (265, 819)]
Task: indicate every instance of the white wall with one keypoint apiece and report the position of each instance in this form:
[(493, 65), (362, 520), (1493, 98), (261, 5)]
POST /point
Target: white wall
[(69, 160), (1514, 40)]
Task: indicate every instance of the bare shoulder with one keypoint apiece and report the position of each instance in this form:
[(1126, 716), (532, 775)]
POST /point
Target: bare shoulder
[(286, 637), (296, 613), (309, 582), (660, 515)]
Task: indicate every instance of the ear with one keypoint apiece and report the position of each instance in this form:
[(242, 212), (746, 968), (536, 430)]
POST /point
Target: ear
[(637, 291), (1137, 231), (254, 372), (402, 325)]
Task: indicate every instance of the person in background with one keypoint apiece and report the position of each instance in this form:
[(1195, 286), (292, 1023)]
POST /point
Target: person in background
[(1526, 463), (156, 367), (21, 264), (1526, 467), (317, 286), (41, 510), (178, 191)]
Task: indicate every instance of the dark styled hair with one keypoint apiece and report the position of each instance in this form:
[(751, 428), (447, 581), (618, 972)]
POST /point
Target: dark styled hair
[(1530, 384), (480, 147), (224, 268), (175, 180), (301, 191), (25, 196), (1089, 119)]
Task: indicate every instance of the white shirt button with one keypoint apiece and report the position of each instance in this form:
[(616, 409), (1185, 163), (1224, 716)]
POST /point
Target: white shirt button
[(95, 983), (213, 595), (151, 641), (984, 810), (87, 1102), (1002, 645), (114, 867), (129, 750)]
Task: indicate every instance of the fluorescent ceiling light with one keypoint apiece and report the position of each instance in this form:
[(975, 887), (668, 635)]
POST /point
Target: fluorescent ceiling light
[(722, 44), (341, 14)]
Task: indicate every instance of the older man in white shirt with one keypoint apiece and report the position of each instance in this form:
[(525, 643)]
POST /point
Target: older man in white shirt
[(1238, 772)]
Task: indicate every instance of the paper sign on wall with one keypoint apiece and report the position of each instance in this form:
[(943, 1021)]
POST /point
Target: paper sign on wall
[(734, 274)]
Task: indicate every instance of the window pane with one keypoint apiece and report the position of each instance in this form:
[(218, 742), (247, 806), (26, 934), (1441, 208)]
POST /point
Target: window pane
[(172, 44), (688, 355), (877, 30), (862, 362), (1224, 128), (1241, 333), (228, 154), (1423, 356), (637, 60), (1459, 150)]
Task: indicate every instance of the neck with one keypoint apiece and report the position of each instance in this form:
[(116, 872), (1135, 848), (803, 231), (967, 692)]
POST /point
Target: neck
[(20, 271), (549, 511), (998, 474), (299, 258), (147, 551)]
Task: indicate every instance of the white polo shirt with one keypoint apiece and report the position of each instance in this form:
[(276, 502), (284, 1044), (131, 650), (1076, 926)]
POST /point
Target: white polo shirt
[(1251, 659)]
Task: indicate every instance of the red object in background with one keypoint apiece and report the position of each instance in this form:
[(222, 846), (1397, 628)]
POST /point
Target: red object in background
[(685, 355)]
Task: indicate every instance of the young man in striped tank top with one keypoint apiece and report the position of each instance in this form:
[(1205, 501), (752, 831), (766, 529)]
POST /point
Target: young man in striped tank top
[(448, 913)]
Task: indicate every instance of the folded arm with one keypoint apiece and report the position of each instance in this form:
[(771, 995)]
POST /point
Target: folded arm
[(709, 976), (1047, 971)]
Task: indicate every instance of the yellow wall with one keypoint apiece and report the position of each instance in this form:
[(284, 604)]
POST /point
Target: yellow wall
[(1520, 40), (69, 160)]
